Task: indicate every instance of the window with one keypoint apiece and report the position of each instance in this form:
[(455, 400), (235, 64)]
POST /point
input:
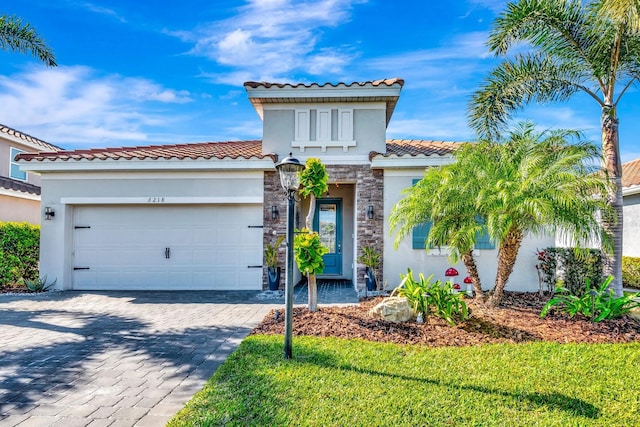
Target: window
[(14, 168), (420, 233)]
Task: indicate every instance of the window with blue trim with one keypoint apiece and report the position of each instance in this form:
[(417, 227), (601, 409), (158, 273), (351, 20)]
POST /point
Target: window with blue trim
[(420, 233), (14, 168)]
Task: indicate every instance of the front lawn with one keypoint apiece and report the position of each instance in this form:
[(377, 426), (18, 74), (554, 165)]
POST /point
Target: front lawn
[(338, 382)]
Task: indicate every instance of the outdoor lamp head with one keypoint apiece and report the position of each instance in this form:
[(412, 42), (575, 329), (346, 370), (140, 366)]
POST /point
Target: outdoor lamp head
[(288, 169)]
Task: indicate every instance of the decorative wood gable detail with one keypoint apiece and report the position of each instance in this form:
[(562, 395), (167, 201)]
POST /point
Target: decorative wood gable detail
[(323, 127)]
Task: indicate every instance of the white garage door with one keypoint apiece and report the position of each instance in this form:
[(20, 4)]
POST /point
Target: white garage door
[(167, 247)]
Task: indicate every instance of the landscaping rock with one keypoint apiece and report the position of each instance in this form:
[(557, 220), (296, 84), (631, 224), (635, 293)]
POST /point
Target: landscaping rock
[(393, 309)]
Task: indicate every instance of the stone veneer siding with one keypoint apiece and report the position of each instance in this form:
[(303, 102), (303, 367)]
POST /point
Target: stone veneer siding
[(369, 191)]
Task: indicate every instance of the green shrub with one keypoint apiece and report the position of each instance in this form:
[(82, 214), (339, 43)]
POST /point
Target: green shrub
[(19, 252), (427, 297), (631, 272), (597, 304), (572, 267)]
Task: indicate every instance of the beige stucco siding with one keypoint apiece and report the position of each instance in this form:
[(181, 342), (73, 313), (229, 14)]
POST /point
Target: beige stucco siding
[(523, 278), (14, 209)]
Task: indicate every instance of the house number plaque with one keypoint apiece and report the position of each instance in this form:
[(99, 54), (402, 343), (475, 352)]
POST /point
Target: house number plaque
[(155, 200)]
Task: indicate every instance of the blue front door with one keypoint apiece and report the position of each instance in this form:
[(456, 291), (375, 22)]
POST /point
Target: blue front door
[(328, 223)]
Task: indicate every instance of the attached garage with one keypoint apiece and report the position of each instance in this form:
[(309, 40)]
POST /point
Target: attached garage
[(193, 247)]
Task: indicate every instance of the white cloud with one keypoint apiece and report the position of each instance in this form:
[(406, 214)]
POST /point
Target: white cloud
[(74, 105), (273, 38), (493, 5)]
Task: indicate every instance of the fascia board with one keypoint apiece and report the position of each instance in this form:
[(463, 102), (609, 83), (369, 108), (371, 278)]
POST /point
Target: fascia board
[(142, 165), (629, 191), (19, 194)]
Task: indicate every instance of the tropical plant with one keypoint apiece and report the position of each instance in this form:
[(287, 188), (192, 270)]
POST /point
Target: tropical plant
[(308, 251), (531, 182), (597, 304), (370, 257), (591, 47), (39, 284), (571, 265), (631, 271), (271, 252), (444, 197), (313, 184), (425, 297), (19, 36)]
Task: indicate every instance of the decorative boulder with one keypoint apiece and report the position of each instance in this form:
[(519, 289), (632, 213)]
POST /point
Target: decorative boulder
[(393, 309)]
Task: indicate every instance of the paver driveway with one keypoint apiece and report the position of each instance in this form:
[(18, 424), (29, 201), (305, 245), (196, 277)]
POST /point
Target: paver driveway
[(114, 358)]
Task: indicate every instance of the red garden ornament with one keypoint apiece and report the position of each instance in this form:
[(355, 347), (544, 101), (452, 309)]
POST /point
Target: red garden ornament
[(451, 272), (468, 280)]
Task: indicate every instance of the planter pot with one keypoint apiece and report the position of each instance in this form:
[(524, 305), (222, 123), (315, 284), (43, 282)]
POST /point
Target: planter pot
[(372, 285), (273, 278)]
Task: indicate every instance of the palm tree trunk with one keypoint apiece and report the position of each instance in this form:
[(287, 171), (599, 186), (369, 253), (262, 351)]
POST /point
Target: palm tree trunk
[(470, 263), (507, 255), (613, 226), (312, 286)]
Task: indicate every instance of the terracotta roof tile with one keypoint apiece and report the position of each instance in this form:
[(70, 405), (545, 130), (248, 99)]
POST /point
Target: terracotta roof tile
[(33, 140), (631, 173), (12, 184), (386, 82), (417, 147), (203, 150)]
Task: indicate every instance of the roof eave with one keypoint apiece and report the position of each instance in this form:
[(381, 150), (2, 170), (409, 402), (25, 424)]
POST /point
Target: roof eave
[(381, 161)]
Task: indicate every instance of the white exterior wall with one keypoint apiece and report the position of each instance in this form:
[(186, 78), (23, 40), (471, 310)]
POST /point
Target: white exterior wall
[(369, 132), (396, 262), (631, 229), (64, 191)]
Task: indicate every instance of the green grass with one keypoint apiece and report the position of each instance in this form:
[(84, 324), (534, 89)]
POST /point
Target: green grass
[(333, 382)]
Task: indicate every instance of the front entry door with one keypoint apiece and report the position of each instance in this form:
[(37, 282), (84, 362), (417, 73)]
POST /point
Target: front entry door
[(328, 223)]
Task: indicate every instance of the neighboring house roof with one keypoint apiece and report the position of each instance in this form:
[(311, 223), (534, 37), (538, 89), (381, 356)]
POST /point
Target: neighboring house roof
[(631, 178), (386, 82), (36, 143), (631, 173), (12, 184), (228, 150), (202, 150)]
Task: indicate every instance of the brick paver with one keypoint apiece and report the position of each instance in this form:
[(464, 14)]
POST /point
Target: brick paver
[(115, 358)]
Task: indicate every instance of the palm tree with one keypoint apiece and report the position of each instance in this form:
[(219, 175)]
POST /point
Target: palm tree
[(18, 36), (531, 183), (444, 197), (574, 47), (625, 11)]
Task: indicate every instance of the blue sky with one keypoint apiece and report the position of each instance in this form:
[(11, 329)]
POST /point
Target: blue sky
[(164, 72)]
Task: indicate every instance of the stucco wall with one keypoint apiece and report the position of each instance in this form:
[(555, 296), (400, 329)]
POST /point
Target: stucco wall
[(631, 230), (14, 209), (59, 190), (523, 278), (368, 129)]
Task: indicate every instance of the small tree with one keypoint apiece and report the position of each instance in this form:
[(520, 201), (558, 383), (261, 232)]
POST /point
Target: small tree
[(529, 183), (313, 183)]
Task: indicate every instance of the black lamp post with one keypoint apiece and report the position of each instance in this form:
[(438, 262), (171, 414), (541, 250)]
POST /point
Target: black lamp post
[(288, 169)]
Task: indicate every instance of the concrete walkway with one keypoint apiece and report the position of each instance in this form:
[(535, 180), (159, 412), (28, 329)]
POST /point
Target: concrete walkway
[(114, 358)]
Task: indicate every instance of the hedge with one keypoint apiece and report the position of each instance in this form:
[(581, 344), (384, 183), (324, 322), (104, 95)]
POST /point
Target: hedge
[(631, 272), (19, 252), (570, 266)]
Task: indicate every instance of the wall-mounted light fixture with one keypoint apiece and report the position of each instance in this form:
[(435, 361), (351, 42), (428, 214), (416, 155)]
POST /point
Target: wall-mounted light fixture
[(274, 212), (370, 212), (49, 213)]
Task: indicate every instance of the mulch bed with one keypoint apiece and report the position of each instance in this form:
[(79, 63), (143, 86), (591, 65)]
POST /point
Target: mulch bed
[(517, 320)]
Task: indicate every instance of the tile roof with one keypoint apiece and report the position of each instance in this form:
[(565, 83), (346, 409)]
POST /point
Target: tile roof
[(28, 138), (417, 147), (228, 150), (202, 150), (12, 184), (631, 173), (386, 82)]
